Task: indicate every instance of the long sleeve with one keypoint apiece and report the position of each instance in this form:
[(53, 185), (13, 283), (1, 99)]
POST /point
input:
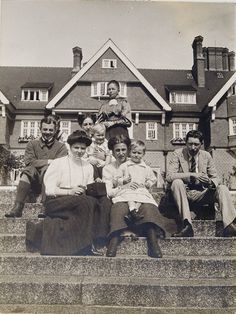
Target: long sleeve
[(108, 177), (52, 177), (151, 178), (31, 158)]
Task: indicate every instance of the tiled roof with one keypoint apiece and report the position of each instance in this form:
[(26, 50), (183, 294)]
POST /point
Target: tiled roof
[(12, 78), (160, 78), (37, 85)]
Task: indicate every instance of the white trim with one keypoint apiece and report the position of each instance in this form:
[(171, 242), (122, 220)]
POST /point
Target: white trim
[(125, 60), (222, 91), (231, 125), (3, 99), (3, 107), (155, 131)]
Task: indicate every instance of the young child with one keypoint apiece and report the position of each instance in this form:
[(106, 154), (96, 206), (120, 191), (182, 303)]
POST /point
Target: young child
[(136, 173), (98, 153)]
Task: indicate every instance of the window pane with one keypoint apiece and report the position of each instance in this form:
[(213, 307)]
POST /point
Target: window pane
[(31, 95), (25, 95)]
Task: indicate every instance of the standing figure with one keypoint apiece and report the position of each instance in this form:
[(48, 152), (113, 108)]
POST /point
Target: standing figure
[(115, 114), (193, 178), (39, 154)]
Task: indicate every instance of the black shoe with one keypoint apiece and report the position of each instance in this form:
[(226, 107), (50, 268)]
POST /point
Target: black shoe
[(136, 215), (112, 246), (129, 219), (230, 230), (16, 210), (41, 215), (95, 251), (187, 232)]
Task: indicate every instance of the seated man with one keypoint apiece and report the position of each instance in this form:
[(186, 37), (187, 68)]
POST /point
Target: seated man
[(193, 180), (38, 155)]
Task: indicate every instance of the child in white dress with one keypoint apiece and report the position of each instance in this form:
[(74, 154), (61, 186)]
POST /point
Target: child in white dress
[(98, 154), (136, 171)]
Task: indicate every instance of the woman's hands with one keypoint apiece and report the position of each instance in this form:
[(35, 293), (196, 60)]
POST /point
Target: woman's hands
[(78, 190)]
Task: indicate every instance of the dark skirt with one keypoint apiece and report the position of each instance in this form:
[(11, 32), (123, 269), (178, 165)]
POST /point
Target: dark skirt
[(71, 226), (163, 225)]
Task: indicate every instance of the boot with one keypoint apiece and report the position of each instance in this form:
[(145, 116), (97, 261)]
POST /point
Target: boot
[(112, 246), (187, 231), (154, 249), (230, 230), (16, 210)]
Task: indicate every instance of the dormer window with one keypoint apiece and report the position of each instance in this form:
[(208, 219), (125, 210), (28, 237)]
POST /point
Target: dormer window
[(99, 89), (182, 94), (109, 63), (35, 91)]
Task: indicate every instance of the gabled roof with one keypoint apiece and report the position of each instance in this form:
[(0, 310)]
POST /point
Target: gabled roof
[(109, 44), (12, 78), (3, 99), (42, 85), (214, 86)]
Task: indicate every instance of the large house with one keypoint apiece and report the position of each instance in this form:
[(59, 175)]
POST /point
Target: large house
[(165, 103)]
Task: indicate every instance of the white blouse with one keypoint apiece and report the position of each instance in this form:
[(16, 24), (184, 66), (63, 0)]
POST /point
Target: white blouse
[(67, 172)]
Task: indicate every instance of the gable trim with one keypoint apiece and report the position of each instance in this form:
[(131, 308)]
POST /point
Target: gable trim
[(125, 60), (222, 91), (3, 99)]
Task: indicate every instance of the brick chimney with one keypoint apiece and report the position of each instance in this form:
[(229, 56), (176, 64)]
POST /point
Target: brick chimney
[(211, 58), (198, 61), (77, 58), (231, 60), (219, 59), (225, 59)]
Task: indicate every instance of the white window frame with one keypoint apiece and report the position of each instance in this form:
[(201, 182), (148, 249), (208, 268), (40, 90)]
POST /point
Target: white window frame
[(180, 97), (65, 129), (232, 126), (27, 129), (109, 63), (151, 126), (180, 129), (38, 94), (99, 89)]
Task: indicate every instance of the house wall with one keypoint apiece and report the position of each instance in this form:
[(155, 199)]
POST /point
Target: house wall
[(97, 73), (219, 133)]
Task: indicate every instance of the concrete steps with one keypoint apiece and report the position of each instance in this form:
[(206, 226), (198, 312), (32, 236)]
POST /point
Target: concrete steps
[(170, 246), (201, 228), (33, 289), (106, 309), (195, 276), (207, 267)]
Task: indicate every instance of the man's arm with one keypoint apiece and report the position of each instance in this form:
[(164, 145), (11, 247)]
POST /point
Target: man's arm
[(175, 170)]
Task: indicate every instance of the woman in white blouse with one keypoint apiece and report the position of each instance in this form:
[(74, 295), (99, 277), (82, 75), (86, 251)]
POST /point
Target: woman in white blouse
[(73, 220)]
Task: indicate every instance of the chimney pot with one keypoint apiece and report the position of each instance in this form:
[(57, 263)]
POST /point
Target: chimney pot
[(77, 59), (231, 60)]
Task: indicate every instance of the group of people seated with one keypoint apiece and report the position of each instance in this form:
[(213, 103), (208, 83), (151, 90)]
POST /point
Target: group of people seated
[(100, 154)]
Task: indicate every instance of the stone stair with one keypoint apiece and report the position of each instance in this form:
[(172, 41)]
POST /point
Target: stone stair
[(195, 276)]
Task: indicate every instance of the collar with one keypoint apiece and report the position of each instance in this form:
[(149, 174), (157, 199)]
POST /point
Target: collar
[(44, 142), (141, 164)]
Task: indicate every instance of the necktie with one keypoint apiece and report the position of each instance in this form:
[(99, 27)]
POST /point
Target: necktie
[(193, 165)]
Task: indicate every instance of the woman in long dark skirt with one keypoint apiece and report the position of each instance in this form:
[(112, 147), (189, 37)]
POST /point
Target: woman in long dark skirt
[(74, 222), (152, 222)]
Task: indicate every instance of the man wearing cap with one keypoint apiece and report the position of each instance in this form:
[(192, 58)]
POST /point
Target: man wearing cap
[(193, 178), (38, 155)]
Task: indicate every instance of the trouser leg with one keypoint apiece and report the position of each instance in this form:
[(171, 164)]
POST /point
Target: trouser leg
[(181, 200), (226, 205)]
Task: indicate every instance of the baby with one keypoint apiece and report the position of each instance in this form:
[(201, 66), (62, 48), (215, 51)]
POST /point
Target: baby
[(98, 153), (135, 179)]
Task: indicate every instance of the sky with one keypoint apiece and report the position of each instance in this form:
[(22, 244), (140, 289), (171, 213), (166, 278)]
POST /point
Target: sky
[(152, 34)]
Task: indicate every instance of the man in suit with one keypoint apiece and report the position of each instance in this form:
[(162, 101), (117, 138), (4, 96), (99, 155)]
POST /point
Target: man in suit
[(38, 155), (193, 178)]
